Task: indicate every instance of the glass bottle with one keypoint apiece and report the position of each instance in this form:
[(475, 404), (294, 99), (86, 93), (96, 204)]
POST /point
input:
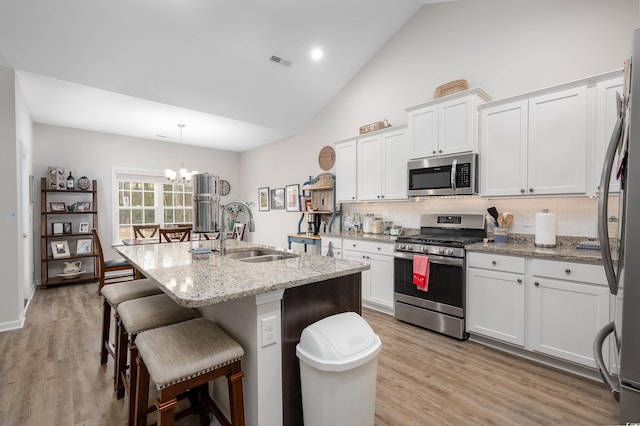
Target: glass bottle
[(70, 182)]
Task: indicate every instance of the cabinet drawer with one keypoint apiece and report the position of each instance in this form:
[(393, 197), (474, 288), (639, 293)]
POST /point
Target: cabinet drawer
[(368, 246), (593, 274), (496, 262), (336, 242)]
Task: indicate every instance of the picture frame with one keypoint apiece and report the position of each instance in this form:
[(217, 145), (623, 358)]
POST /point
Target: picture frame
[(83, 246), (277, 199), (66, 228), (57, 206), (83, 206), (293, 198), (60, 249), (263, 199), (57, 228), (83, 228)]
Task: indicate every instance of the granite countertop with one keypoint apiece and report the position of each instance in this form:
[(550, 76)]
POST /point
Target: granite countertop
[(201, 282), (523, 245)]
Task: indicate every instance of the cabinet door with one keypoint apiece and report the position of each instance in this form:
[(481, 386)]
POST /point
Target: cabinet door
[(495, 305), (503, 149), (565, 317), (346, 171), (370, 168), (423, 132), (456, 126), (606, 117), (557, 148), (357, 256), (395, 154), (381, 280)]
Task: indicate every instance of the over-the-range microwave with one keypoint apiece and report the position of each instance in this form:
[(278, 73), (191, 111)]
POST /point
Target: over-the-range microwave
[(445, 175)]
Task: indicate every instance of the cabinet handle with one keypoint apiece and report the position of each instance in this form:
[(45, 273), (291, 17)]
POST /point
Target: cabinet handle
[(382, 196), (440, 151), (377, 196), (530, 189), (434, 151), (379, 248), (522, 191), (494, 263), (537, 284), (567, 271), (354, 245), (519, 280)]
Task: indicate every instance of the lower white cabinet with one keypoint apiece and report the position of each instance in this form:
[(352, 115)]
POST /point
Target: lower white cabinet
[(377, 282), (565, 314), (551, 307), (495, 293), (336, 246)]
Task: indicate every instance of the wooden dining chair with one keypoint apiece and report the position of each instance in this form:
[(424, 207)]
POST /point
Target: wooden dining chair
[(171, 235), (146, 231), (105, 266)]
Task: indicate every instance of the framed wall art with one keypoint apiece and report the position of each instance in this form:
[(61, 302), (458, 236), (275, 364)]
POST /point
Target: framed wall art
[(57, 227), (60, 249), (56, 206), (277, 199), (83, 246), (293, 198), (263, 199), (83, 227), (66, 228), (83, 206)]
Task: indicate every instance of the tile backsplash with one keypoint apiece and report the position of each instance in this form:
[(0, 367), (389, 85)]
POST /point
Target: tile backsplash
[(576, 216)]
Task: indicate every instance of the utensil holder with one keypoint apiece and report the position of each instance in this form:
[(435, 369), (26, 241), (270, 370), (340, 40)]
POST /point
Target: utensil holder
[(501, 234)]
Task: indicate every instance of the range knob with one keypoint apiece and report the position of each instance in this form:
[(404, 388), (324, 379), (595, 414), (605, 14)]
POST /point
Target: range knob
[(401, 246), (440, 250), (449, 251), (409, 247), (424, 249)]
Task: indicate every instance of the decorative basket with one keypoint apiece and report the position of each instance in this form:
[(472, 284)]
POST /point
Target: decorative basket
[(450, 88), (374, 126)]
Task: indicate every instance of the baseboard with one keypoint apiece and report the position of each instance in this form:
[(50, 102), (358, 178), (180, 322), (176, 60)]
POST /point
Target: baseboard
[(13, 325)]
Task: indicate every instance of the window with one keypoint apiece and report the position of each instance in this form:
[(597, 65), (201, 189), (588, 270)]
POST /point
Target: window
[(146, 198)]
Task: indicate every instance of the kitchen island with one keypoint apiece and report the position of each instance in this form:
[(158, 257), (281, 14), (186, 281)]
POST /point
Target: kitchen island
[(245, 299)]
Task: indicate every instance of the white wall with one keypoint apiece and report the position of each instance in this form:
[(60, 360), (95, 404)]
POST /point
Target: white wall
[(11, 302), (94, 155), (506, 47)]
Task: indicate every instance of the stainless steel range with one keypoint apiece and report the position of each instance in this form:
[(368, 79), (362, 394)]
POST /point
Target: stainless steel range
[(442, 238)]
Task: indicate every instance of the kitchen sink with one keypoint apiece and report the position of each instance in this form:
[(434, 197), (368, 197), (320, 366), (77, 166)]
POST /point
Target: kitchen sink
[(257, 255)]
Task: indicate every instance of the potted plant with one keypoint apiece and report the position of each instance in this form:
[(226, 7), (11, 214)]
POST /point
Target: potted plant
[(233, 210)]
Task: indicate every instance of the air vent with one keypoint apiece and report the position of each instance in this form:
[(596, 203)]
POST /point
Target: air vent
[(279, 60)]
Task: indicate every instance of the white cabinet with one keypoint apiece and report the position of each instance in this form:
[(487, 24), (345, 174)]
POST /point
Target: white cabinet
[(377, 282), (569, 305), (346, 171), (535, 146), (606, 117), (382, 166), (336, 246), (495, 297), (447, 125)]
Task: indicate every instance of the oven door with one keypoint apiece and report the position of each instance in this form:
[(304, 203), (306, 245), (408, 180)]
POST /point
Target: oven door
[(446, 284)]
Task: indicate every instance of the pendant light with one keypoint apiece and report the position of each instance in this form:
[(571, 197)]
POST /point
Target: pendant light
[(182, 176)]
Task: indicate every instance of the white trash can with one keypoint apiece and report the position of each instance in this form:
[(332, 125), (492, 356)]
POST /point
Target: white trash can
[(338, 371)]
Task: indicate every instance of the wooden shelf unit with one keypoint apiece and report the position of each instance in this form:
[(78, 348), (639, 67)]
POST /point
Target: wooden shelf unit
[(322, 190), (50, 266)]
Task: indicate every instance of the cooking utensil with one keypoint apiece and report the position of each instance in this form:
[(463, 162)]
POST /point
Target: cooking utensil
[(508, 218), (494, 214)]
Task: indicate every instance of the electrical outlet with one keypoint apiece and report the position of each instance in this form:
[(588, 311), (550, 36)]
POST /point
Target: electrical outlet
[(269, 332), (528, 219)]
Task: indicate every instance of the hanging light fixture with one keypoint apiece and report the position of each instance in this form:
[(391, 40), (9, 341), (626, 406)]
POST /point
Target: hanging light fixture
[(182, 175)]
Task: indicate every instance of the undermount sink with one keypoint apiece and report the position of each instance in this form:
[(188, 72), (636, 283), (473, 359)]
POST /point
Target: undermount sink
[(257, 255)]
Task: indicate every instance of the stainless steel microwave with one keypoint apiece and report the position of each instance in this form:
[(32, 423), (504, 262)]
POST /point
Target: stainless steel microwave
[(445, 175)]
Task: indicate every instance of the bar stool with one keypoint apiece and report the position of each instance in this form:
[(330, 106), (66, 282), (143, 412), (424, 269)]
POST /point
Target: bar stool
[(136, 316), (115, 294), (186, 357)]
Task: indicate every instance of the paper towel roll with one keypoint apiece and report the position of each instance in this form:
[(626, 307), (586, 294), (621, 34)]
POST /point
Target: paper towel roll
[(546, 229)]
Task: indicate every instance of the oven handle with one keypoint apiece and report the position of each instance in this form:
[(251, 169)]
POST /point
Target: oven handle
[(454, 166), (441, 260)]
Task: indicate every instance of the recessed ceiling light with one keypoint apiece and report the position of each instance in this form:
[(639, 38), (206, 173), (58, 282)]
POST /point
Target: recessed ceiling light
[(316, 54)]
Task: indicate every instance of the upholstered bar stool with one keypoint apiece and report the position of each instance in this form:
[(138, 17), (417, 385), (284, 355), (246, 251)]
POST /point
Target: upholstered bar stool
[(115, 294), (186, 357), (136, 316)]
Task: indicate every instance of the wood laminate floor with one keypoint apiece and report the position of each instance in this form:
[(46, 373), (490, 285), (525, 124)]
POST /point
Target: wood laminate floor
[(50, 375)]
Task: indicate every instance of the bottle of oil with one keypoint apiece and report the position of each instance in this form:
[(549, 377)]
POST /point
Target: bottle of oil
[(71, 182)]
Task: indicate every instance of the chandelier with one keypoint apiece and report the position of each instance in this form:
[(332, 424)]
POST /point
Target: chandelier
[(182, 176)]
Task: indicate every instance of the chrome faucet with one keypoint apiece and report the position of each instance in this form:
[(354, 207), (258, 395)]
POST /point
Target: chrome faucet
[(252, 226)]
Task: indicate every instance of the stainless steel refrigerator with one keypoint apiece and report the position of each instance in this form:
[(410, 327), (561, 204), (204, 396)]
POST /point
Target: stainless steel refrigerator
[(623, 276)]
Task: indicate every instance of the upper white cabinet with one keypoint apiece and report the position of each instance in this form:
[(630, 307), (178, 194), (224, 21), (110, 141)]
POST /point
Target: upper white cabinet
[(346, 171), (382, 166), (606, 117), (373, 167), (546, 142), (447, 125)]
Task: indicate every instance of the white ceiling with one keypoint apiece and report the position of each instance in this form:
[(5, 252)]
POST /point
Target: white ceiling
[(140, 67)]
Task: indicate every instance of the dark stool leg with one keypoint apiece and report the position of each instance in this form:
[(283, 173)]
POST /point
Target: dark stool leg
[(121, 359), (133, 379), (166, 411), (106, 322), (141, 395), (236, 400)]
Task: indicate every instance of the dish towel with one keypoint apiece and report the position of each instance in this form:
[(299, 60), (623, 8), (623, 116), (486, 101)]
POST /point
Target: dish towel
[(421, 272)]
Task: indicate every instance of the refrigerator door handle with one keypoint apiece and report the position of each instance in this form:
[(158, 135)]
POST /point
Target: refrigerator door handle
[(608, 379), (603, 229)]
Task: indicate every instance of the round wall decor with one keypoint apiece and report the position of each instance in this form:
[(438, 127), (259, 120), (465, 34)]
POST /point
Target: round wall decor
[(225, 187), (327, 158), (83, 183)]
